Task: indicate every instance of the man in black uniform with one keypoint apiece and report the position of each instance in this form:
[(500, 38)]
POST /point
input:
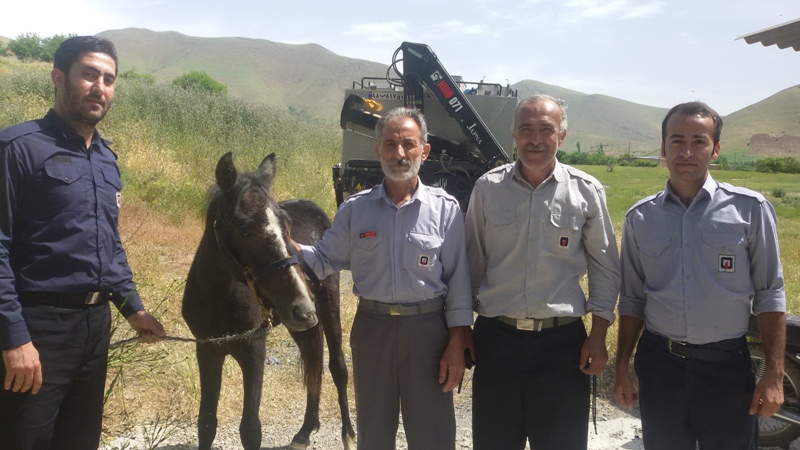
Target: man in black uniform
[(61, 259)]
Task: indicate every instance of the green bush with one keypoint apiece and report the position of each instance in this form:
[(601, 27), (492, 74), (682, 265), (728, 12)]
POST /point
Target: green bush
[(130, 75), (200, 81)]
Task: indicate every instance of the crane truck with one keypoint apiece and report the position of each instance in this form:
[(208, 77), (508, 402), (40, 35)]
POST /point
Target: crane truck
[(469, 124)]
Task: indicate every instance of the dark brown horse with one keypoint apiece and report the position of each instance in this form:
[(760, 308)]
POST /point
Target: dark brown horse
[(243, 267)]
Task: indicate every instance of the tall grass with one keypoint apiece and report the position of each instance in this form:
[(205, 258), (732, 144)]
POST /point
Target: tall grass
[(170, 139)]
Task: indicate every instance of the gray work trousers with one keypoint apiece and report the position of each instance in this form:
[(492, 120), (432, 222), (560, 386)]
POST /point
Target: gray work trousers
[(396, 367)]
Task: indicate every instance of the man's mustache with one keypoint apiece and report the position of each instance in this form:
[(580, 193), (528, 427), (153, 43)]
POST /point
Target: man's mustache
[(405, 162), (534, 148)]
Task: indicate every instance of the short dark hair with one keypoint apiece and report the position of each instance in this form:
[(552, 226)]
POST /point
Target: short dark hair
[(694, 109), (71, 50), (401, 112)]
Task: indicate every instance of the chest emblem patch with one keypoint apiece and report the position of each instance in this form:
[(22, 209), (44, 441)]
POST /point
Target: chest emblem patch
[(727, 263), (368, 234), (424, 261), (119, 200), (563, 242)]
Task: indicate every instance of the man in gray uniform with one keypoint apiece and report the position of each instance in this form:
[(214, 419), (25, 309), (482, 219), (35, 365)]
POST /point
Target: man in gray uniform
[(534, 229), (404, 244), (697, 257)]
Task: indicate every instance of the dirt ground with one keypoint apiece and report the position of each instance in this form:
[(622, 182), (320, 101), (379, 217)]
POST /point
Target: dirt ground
[(616, 429)]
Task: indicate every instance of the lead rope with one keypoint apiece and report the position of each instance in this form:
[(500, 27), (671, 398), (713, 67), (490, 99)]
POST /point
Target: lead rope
[(594, 402), (265, 327)]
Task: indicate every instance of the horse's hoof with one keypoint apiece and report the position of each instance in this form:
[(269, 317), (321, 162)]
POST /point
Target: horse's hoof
[(349, 442), (295, 445)]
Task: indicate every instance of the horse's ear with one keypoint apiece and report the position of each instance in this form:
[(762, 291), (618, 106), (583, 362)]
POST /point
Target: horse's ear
[(226, 172), (266, 170)]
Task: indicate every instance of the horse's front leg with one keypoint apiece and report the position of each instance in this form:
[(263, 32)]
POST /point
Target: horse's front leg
[(311, 353), (209, 362), (330, 316), (251, 356)]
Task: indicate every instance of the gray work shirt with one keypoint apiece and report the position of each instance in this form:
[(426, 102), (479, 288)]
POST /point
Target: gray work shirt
[(693, 274), (528, 249), (400, 255)]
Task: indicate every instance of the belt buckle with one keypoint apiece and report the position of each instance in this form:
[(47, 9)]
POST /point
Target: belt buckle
[(92, 298), (669, 346), (395, 310), (527, 324)]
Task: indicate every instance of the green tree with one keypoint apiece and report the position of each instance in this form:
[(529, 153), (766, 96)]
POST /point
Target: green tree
[(50, 45), (578, 144), (31, 46), (26, 46), (200, 81)]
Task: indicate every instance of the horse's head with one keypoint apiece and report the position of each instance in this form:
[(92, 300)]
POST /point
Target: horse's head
[(253, 232)]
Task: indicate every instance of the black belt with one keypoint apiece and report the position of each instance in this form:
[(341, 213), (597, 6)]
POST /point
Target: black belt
[(58, 299), (714, 351), (401, 309), (536, 324)]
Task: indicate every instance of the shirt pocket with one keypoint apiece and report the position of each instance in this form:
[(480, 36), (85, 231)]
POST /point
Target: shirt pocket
[(422, 251), (725, 256), (563, 234), (365, 243), (500, 218), (64, 187), (112, 189), (502, 231), (656, 261)]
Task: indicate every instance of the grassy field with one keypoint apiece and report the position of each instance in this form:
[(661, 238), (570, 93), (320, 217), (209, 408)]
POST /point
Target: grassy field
[(169, 142)]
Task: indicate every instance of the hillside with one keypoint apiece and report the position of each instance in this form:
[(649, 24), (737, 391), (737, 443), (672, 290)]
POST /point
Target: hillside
[(776, 116), (310, 79), (595, 119), (307, 78)]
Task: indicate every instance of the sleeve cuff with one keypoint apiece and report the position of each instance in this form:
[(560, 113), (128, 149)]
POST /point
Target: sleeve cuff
[(629, 306), (127, 305), (14, 335), (458, 318), (769, 301)]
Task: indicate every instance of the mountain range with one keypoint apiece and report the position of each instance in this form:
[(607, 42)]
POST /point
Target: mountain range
[(309, 79)]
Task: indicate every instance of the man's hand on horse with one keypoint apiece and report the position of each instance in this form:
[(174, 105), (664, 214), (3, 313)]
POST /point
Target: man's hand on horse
[(294, 244)]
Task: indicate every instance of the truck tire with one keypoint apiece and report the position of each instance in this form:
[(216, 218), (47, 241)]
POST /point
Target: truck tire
[(773, 432)]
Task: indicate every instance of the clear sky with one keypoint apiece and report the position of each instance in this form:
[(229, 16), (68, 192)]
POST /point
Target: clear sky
[(653, 52)]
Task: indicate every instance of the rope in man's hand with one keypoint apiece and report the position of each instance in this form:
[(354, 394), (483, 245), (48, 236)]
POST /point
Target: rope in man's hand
[(251, 334)]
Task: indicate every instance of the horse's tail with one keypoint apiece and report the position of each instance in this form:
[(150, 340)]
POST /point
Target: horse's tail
[(312, 358)]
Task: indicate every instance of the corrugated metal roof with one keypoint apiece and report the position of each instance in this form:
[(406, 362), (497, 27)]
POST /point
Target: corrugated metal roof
[(783, 35)]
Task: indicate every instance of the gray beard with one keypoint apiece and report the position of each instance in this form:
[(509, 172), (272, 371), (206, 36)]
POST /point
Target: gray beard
[(390, 170)]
